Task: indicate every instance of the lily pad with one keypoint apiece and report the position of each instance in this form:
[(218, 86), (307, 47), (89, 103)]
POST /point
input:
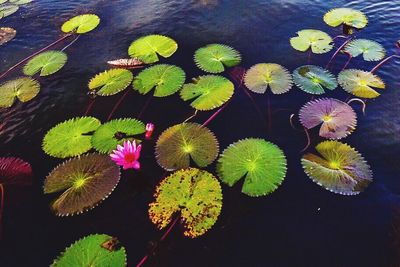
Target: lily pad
[(193, 193), (83, 183), (360, 83), (94, 250), (106, 138), (347, 16), (261, 163), (338, 119), (81, 24), (165, 79), (24, 89), (46, 63), (20, 2), (319, 41), (7, 10), (340, 168), (214, 58), (6, 34), (70, 138), (111, 82), (148, 48), (15, 171), (313, 79), (181, 143), (208, 92), (370, 50), (262, 76)]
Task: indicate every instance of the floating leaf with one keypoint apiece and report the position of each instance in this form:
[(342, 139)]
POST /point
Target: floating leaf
[(261, 163), (208, 92), (148, 48), (341, 169), (81, 24), (165, 79), (319, 41), (20, 2), (261, 76), (7, 10), (195, 194), (313, 79), (370, 50), (83, 182), (338, 119), (23, 88), (94, 250), (111, 82), (6, 34), (70, 138), (115, 132), (126, 63), (214, 58), (360, 83), (183, 142), (347, 16), (46, 63), (15, 171)]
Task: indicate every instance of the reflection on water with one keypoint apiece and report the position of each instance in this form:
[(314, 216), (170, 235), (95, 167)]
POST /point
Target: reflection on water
[(286, 224)]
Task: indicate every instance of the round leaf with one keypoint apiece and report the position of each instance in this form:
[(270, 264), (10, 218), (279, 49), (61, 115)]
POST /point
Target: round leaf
[(46, 63), (208, 92), (20, 2), (313, 79), (81, 24), (7, 10), (360, 83), (347, 16), (214, 58), (24, 89), (111, 82), (261, 76), (183, 142), (165, 79), (83, 183), (6, 34), (261, 163), (96, 250), (319, 41), (196, 194), (106, 138), (70, 138), (148, 48), (340, 168), (370, 50)]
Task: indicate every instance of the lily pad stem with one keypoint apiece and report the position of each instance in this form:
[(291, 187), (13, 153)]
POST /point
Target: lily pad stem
[(383, 62), (117, 105), (337, 51), (347, 62), (214, 114), (1, 208)]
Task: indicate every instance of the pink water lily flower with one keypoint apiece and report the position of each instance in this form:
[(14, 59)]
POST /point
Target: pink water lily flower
[(127, 155), (149, 130)]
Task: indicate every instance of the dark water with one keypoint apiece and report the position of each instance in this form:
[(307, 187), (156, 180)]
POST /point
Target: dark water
[(300, 224)]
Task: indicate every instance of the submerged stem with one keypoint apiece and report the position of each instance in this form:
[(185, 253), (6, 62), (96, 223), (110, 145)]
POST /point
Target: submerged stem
[(269, 112), (214, 115), (35, 54), (117, 105), (308, 140), (383, 62), (191, 117), (146, 104), (364, 105), (1, 208), (89, 107), (71, 43), (347, 62), (337, 52), (258, 109), (161, 239)]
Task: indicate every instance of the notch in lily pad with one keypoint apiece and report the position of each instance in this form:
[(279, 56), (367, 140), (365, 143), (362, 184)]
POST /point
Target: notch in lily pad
[(45, 63), (318, 41), (360, 83), (110, 82), (81, 24), (346, 16), (213, 58), (313, 79), (24, 89)]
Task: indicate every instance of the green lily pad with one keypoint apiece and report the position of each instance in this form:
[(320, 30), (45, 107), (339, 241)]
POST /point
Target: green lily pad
[(165, 79), (94, 250), (148, 48), (341, 169), (183, 142), (7, 10), (313, 79), (319, 41), (83, 183), (106, 138), (360, 83), (70, 138), (262, 76), (370, 50), (24, 89), (214, 58), (193, 193), (81, 24), (347, 16), (208, 92), (261, 163), (20, 2), (46, 63), (110, 82)]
